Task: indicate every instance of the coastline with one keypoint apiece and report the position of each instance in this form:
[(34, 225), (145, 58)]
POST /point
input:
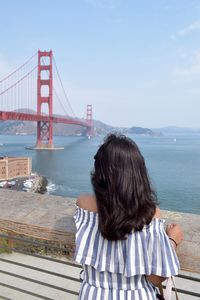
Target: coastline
[(35, 184)]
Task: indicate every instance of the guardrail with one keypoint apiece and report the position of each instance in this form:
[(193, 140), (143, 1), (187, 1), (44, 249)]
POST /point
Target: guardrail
[(32, 269)]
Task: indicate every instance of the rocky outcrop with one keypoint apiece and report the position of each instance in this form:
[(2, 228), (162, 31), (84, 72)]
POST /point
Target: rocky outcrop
[(39, 185)]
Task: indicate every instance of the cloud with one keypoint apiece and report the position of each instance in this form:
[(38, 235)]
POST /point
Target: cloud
[(114, 21), (191, 70), (192, 27), (172, 37), (104, 4)]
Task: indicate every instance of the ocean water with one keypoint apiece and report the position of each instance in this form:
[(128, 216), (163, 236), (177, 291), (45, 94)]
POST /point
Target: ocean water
[(173, 163)]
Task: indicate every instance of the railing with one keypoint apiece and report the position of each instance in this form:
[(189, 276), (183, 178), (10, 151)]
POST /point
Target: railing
[(32, 269), (67, 287)]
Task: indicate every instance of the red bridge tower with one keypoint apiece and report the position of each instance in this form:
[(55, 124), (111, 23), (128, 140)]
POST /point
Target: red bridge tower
[(45, 128), (89, 120)]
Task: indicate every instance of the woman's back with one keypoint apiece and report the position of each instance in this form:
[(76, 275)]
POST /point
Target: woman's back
[(118, 269)]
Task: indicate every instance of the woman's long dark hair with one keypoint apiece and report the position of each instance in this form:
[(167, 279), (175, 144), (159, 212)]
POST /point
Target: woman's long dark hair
[(123, 192)]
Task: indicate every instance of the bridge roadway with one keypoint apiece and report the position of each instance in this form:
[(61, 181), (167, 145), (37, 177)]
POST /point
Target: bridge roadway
[(10, 115)]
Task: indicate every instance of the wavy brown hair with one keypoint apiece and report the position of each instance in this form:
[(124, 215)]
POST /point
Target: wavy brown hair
[(124, 196)]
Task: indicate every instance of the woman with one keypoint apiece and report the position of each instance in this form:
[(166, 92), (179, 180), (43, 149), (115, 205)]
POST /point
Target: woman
[(120, 241)]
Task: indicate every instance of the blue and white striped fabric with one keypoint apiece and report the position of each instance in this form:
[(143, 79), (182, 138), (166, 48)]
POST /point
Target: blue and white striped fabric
[(115, 270)]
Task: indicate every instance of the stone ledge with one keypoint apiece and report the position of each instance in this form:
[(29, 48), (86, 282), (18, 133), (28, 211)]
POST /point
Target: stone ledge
[(51, 218)]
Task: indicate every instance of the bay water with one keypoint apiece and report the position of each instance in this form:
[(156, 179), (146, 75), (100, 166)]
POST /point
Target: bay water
[(173, 163)]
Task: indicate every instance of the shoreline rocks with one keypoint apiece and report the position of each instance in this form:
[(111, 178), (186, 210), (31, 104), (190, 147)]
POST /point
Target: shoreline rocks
[(39, 185)]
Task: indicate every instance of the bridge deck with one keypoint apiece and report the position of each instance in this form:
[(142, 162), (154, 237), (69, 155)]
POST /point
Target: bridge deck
[(11, 115)]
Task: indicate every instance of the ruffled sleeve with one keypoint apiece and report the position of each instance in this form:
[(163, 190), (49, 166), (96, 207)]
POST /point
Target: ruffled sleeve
[(163, 260), (148, 251)]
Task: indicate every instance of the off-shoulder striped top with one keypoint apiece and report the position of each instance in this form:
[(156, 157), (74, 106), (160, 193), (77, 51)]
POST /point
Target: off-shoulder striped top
[(117, 269)]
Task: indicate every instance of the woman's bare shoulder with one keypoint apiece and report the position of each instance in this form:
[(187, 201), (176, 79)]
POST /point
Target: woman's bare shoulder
[(157, 213), (87, 202)]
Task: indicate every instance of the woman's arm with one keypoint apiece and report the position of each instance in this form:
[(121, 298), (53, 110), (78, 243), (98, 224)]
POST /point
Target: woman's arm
[(87, 202), (156, 280), (175, 234)]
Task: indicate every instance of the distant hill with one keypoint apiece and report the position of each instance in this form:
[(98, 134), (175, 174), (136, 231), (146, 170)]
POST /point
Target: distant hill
[(177, 130), (140, 130)]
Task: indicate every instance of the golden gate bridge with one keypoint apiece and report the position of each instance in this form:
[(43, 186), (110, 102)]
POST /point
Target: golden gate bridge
[(32, 85)]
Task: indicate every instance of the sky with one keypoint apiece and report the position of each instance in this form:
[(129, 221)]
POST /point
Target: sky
[(136, 61)]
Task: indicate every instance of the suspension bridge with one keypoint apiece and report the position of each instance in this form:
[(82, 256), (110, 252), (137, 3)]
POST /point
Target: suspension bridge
[(29, 94)]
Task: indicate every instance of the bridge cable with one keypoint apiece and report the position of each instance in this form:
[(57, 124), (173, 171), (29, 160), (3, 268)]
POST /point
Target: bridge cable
[(26, 62), (56, 94), (13, 85), (65, 94)]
